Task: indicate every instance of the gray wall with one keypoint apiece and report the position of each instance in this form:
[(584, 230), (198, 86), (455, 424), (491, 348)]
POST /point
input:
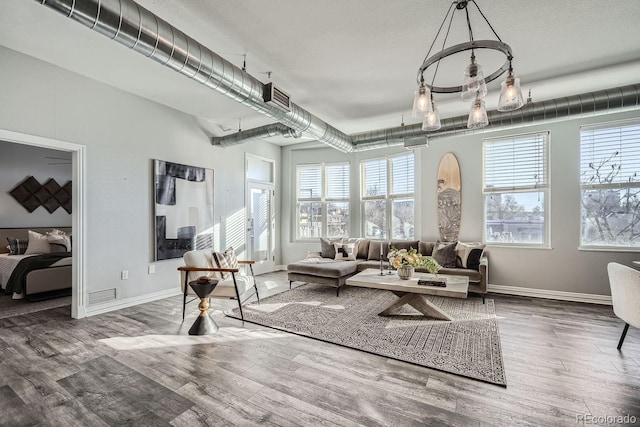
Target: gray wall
[(18, 162), (122, 134), (562, 268)]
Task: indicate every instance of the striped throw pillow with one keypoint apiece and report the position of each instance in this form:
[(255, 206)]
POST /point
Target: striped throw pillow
[(17, 246), (227, 259)]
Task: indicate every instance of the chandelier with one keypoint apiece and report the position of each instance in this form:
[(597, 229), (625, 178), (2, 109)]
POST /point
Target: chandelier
[(474, 84)]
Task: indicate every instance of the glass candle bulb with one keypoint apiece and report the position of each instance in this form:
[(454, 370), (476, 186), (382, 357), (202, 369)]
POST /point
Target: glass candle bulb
[(510, 94), (478, 115), (422, 101)]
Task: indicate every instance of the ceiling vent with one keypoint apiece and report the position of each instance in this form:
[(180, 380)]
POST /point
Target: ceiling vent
[(274, 96)]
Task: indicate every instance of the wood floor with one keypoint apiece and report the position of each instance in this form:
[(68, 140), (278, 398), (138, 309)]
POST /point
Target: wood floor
[(138, 367)]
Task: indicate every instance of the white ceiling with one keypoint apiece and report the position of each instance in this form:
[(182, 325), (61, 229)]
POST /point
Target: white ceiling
[(351, 63)]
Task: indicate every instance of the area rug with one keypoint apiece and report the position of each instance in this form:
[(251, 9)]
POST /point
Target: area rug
[(10, 307), (468, 346)]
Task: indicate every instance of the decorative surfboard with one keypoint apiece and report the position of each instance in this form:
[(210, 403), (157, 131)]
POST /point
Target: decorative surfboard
[(449, 198)]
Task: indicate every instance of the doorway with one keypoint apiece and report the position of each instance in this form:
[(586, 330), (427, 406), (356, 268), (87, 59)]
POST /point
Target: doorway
[(78, 304), (260, 209)]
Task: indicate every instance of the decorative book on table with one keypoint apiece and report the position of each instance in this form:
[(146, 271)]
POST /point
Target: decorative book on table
[(433, 281)]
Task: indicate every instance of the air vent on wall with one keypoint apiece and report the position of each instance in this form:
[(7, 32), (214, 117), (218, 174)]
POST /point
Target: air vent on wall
[(105, 295), (274, 96)]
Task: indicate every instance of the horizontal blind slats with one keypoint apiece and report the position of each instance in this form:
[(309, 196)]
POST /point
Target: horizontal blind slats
[(515, 163), (610, 155)]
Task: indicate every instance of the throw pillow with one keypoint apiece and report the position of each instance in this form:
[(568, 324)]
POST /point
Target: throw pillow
[(374, 250), (17, 246), (38, 244), (227, 259), (445, 253), (346, 251), (363, 248), (473, 260), (327, 249), (465, 250)]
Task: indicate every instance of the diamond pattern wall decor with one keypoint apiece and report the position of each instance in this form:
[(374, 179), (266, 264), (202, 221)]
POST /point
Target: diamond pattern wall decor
[(31, 194)]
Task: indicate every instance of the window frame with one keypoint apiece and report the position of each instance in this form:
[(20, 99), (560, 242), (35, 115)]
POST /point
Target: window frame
[(388, 198), (544, 188), (323, 200), (617, 124)]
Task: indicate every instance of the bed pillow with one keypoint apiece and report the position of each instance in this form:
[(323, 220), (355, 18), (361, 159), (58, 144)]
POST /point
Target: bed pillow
[(346, 251), (17, 246), (59, 242), (38, 244), (445, 253)]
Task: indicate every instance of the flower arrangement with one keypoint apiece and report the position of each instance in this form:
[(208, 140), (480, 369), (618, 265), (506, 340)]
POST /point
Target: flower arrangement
[(399, 258)]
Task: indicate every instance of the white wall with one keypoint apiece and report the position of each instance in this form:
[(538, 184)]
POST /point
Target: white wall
[(122, 134), (562, 268), (18, 162)]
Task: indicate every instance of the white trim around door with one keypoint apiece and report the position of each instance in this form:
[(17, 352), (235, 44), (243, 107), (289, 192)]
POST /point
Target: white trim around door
[(78, 296)]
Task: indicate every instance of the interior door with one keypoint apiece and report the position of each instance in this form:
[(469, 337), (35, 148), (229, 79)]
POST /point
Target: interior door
[(261, 226)]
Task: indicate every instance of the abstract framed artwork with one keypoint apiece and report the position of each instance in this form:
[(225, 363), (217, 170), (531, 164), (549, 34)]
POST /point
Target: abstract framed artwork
[(183, 209)]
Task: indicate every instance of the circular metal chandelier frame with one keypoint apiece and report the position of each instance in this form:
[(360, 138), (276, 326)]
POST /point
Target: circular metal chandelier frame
[(462, 47)]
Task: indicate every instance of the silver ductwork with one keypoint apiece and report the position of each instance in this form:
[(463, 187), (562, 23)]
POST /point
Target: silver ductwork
[(587, 104), (267, 131), (137, 28)]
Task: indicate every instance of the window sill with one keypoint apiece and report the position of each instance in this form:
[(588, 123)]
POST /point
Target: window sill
[(516, 246), (608, 249)]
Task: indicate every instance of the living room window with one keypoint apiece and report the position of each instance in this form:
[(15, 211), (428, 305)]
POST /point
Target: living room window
[(516, 190), (322, 200), (610, 185), (388, 197)]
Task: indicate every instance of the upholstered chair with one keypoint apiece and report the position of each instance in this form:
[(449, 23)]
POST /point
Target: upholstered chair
[(625, 295), (233, 282)]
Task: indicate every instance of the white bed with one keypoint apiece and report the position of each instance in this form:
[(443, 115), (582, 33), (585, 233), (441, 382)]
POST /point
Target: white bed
[(42, 282)]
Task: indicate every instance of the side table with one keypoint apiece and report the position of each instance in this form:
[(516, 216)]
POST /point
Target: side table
[(204, 324)]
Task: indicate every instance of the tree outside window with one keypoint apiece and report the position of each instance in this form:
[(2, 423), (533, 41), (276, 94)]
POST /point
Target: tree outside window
[(515, 185), (388, 197), (322, 206), (610, 185)]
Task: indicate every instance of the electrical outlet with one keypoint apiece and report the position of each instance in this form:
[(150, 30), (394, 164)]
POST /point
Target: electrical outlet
[(124, 274), (152, 269)]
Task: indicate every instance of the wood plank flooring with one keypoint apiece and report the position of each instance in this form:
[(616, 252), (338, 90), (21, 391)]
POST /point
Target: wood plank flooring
[(138, 367)]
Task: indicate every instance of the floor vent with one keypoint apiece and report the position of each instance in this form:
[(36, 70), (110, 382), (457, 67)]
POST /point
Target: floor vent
[(102, 296), (274, 96)]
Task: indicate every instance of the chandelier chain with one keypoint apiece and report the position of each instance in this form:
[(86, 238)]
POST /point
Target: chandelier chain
[(487, 21), (440, 29), (444, 42)]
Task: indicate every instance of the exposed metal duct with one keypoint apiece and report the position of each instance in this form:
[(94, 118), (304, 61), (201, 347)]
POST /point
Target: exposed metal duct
[(137, 28), (274, 129), (587, 104)]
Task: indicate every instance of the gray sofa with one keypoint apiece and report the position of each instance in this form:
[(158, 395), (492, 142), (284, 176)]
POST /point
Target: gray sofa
[(326, 271)]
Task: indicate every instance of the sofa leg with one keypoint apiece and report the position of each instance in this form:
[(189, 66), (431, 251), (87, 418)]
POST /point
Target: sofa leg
[(483, 298), (338, 292), (290, 282)]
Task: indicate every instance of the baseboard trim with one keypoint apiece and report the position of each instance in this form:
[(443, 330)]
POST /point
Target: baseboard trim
[(549, 294), (130, 302)]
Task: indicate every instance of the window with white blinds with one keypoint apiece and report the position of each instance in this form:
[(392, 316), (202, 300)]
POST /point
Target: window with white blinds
[(403, 174), (322, 206), (517, 163), (610, 184), (387, 191), (374, 174), (516, 188)]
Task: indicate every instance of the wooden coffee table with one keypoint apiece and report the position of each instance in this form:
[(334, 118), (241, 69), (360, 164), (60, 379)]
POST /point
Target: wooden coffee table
[(409, 292)]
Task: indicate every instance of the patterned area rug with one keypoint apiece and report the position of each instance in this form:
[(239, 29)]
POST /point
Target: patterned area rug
[(10, 307), (468, 346)]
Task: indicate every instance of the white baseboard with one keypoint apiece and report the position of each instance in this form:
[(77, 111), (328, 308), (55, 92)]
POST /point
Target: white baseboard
[(281, 267), (130, 302), (549, 294)]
